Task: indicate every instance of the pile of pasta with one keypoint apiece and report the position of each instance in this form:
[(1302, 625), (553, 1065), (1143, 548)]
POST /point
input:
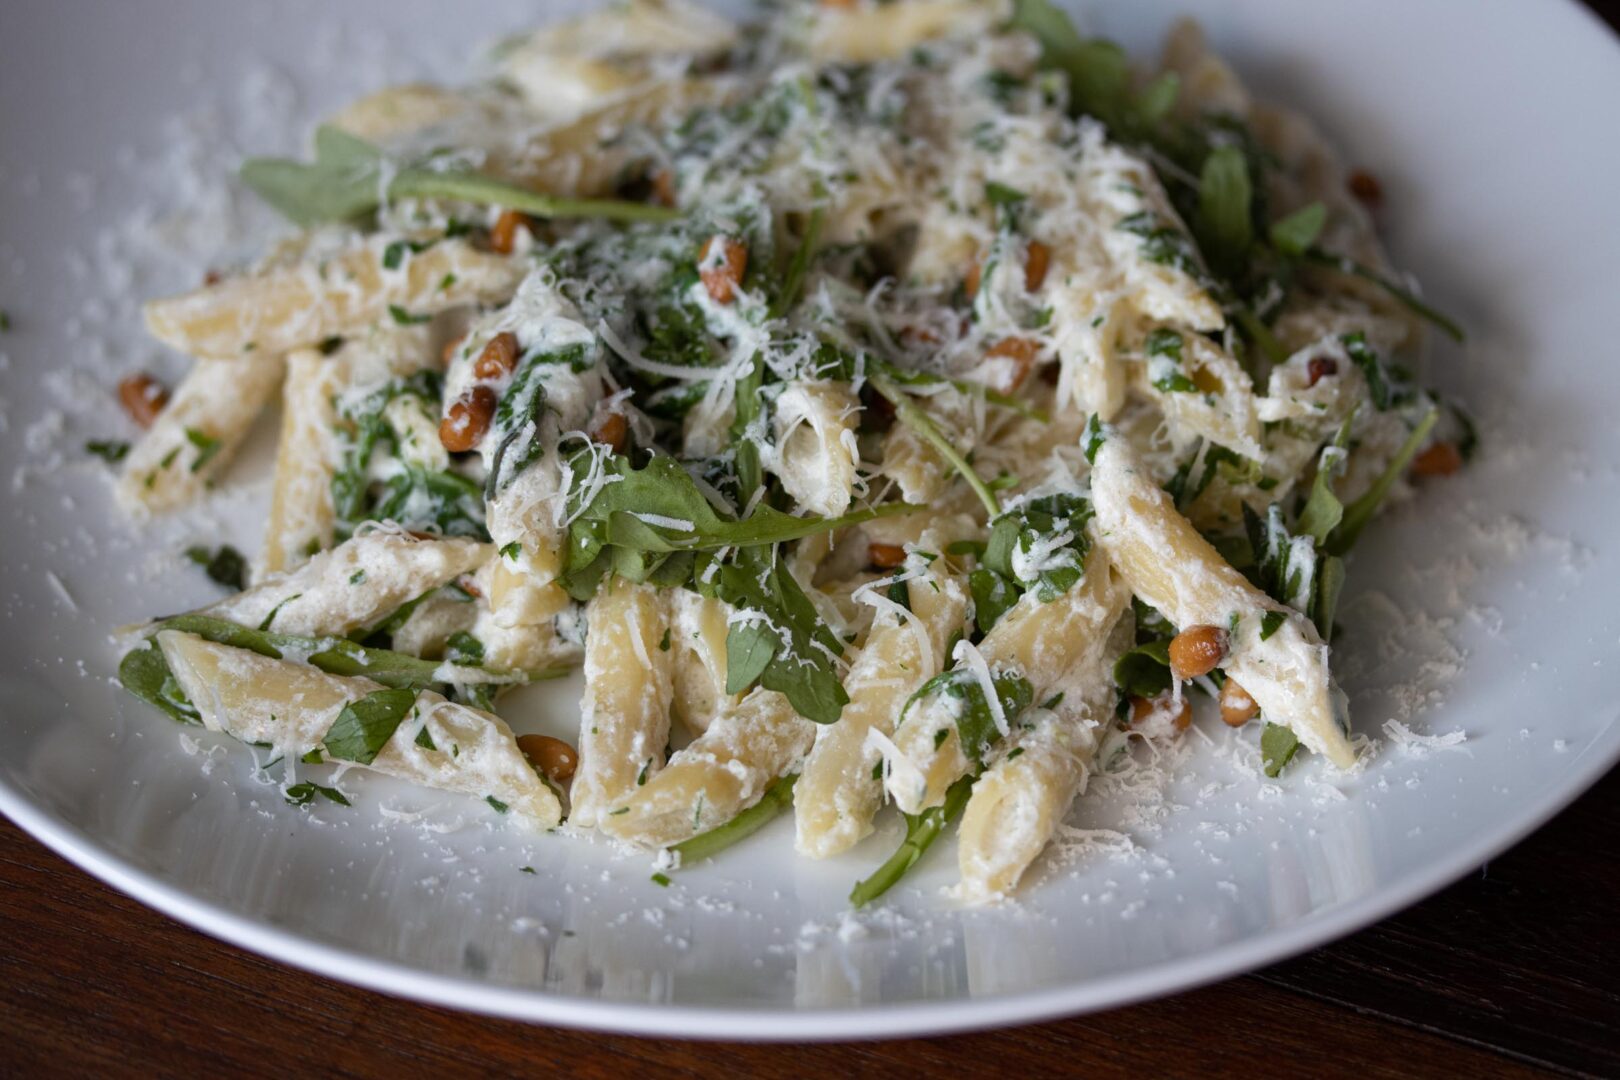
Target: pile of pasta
[(903, 403)]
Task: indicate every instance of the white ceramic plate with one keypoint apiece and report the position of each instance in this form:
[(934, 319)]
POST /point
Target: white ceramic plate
[(1490, 610)]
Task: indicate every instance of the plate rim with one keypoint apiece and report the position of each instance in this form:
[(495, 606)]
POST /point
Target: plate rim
[(878, 1021)]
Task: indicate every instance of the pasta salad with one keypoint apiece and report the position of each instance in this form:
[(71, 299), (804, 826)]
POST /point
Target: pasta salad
[(883, 403)]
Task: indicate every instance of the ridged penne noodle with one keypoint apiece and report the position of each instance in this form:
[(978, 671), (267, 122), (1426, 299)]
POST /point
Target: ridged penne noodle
[(292, 707), (624, 718), (815, 455), (400, 110), (1220, 403), (697, 630), (569, 67), (286, 307), (1169, 565), (1018, 803), (302, 512), (866, 32), (837, 795), (353, 585), (715, 777), (1037, 639), (199, 432)]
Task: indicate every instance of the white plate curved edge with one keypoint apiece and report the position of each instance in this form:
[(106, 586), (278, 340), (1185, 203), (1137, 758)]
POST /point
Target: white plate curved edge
[(1531, 605)]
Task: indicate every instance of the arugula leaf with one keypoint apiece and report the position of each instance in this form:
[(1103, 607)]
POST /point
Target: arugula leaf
[(993, 597), (921, 831), (1378, 380), (1163, 347), (1145, 670), (1278, 745), (1099, 77), (304, 793), (145, 673), (365, 725), (225, 566), (1270, 623), (1033, 530), (706, 845), (112, 451), (801, 664), (635, 521), (346, 182), (1360, 512), (975, 722), (1294, 234), (1225, 229), (1323, 510)]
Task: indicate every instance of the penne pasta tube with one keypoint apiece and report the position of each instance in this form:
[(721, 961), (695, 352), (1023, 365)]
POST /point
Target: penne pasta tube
[(624, 718), (838, 795), (1039, 641), (193, 439), (353, 585), (295, 709), (1170, 566), (286, 307), (815, 455), (721, 773)]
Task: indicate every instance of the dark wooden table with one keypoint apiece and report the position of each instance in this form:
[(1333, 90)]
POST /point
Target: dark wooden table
[(1516, 967), (1513, 971)]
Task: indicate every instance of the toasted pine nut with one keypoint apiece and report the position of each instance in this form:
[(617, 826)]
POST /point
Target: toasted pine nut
[(1142, 708), (723, 278), (451, 347), (1237, 707), (611, 431), (1197, 651), (1022, 352), (469, 585), (1320, 368), (468, 419), (503, 234), (499, 357), (1441, 459), (885, 556), (1365, 187), (970, 281), (551, 756), (212, 277), (143, 397), (1036, 260), (663, 185)]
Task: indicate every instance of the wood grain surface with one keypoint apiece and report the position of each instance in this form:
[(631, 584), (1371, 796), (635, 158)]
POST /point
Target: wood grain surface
[(1511, 972), (1514, 971)]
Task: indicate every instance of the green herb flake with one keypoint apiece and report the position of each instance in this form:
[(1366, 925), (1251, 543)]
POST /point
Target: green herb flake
[(661, 879), (1278, 745), (402, 317), (364, 726), (225, 566), (500, 807), (112, 451), (303, 794), (1270, 623), (207, 446)]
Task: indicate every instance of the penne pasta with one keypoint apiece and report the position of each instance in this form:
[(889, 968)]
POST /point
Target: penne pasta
[(434, 743)]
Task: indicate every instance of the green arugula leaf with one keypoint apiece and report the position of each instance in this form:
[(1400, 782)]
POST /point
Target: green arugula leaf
[(975, 721), (1360, 512), (1097, 71), (225, 565), (365, 725), (1165, 372), (304, 793), (346, 182), (1270, 623), (802, 663), (706, 845), (1145, 670), (1323, 510), (993, 597), (1032, 534), (112, 451), (1278, 745), (1225, 228), (1372, 366), (907, 412), (921, 832), (145, 673), (1294, 234)]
